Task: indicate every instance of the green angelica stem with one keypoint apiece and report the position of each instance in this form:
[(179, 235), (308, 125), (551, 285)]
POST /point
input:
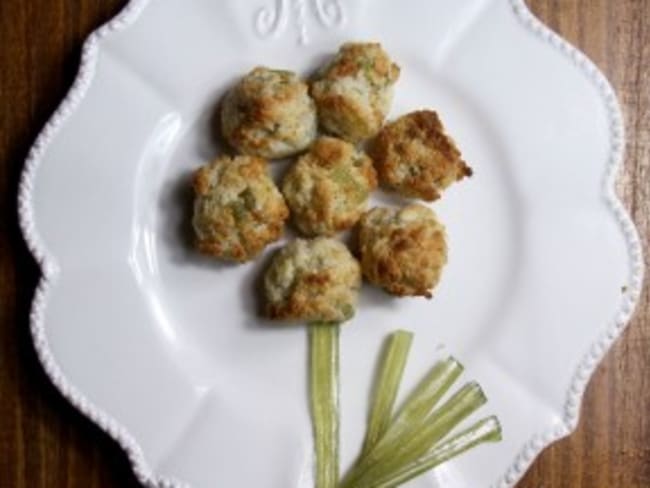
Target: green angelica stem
[(393, 457), (324, 400), (391, 369), (411, 417), (486, 430), (423, 399)]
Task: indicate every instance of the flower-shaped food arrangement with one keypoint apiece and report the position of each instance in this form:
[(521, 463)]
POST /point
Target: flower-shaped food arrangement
[(155, 336)]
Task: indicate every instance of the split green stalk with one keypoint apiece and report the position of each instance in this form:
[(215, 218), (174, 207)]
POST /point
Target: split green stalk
[(485, 430), (391, 369), (324, 400)]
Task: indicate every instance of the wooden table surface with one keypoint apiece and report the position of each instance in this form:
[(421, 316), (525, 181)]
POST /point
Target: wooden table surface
[(44, 442)]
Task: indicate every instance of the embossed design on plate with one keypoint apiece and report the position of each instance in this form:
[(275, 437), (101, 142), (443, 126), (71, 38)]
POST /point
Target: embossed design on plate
[(271, 21)]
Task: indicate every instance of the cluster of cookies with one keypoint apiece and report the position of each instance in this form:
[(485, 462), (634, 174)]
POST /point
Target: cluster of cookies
[(273, 114)]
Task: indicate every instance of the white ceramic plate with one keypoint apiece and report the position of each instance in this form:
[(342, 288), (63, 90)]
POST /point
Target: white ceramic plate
[(163, 349)]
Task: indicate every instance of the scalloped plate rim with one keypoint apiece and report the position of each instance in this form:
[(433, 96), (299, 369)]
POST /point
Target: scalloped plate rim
[(527, 454)]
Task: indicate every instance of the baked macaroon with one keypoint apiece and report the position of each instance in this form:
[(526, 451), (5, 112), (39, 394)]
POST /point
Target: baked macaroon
[(270, 114), (315, 280), (327, 189), (238, 210), (403, 250), (415, 157), (354, 91)]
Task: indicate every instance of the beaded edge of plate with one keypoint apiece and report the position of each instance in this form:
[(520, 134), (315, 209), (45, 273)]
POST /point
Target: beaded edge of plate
[(595, 354), (49, 268)]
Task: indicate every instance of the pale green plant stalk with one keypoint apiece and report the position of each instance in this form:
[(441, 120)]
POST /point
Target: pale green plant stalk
[(391, 457), (424, 398), (411, 417), (485, 430), (324, 400), (391, 369)]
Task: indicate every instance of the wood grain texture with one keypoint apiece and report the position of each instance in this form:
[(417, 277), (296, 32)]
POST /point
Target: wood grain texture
[(45, 443)]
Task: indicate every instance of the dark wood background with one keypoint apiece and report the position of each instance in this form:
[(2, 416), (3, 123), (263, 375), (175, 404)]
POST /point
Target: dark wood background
[(45, 443)]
